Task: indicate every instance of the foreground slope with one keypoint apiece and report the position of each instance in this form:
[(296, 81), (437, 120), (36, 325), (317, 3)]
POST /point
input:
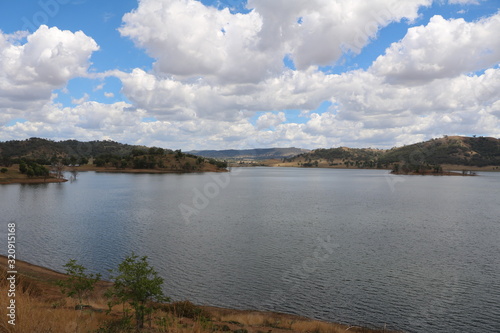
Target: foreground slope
[(41, 307)]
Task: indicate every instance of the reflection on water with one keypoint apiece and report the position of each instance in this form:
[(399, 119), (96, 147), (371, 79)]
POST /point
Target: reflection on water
[(355, 246)]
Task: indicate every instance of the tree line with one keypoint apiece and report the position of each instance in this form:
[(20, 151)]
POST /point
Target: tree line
[(157, 158)]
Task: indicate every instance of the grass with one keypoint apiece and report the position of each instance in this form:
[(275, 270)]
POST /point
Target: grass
[(14, 176), (42, 308)]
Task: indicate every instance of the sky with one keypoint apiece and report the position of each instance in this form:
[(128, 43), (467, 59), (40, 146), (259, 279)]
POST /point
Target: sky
[(229, 74)]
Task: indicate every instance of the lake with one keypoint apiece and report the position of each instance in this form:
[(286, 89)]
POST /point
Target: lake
[(418, 253)]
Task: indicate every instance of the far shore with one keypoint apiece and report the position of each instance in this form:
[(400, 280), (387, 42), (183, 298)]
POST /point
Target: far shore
[(159, 171), (449, 169), (429, 173), (13, 176), (34, 180)]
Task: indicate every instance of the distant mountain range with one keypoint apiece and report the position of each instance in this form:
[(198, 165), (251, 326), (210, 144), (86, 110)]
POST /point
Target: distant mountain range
[(251, 154), (455, 150)]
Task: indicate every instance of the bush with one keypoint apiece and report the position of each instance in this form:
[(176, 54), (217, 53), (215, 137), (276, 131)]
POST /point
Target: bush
[(4, 170), (23, 167), (186, 309), (138, 284), (79, 284)]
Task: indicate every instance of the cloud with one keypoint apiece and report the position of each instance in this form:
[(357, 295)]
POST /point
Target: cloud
[(317, 32), (269, 120), (170, 99), (98, 87), (82, 100), (190, 40), (464, 2), (87, 121), (441, 49), (214, 69), (49, 58), (366, 111)]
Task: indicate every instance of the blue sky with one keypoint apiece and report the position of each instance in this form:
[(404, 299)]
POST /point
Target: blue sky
[(231, 74)]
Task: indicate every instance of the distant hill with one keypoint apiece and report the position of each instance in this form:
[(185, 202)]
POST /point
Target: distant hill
[(103, 154), (44, 150), (250, 154), (452, 150), (456, 150), (338, 157)]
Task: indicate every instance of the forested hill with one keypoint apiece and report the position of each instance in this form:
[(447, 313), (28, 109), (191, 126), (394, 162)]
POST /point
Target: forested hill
[(44, 150), (103, 154), (454, 150)]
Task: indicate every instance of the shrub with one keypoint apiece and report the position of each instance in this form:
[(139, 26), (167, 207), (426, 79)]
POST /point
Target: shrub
[(138, 284), (186, 309), (79, 284)]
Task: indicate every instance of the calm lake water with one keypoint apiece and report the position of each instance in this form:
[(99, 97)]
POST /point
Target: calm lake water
[(418, 253)]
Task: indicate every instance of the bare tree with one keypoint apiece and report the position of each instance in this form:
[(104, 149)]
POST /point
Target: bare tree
[(74, 174), (57, 169)]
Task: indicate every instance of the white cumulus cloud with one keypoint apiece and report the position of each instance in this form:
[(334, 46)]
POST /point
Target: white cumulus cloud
[(47, 60), (270, 119), (443, 48)]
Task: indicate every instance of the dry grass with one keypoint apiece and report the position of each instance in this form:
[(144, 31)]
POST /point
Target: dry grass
[(36, 316), (276, 322), (39, 312), (250, 319), (13, 176)]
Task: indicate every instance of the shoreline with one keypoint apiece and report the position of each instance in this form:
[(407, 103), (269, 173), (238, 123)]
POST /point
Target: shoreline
[(9, 181), (145, 171), (17, 177), (467, 171), (40, 281), (273, 163), (444, 173)]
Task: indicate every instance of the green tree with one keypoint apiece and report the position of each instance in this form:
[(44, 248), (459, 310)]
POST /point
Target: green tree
[(40, 170), (79, 284), (73, 160), (23, 168), (30, 172), (83, 161), (137, 283), (187, 166)]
